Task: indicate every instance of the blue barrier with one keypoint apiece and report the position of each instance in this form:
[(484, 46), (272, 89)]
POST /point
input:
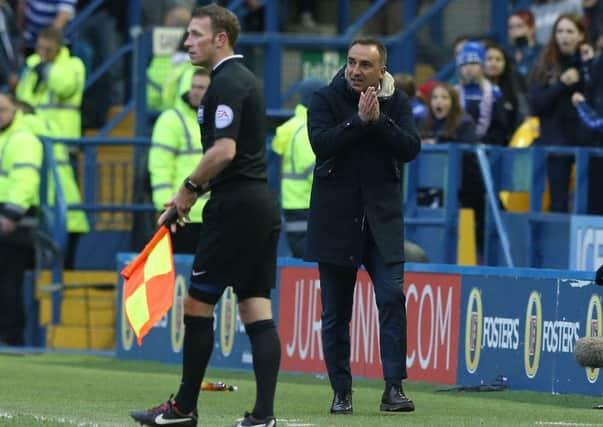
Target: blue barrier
[(466, 326), (533, 239)]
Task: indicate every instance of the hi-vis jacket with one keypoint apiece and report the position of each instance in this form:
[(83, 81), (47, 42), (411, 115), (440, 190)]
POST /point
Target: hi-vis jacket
[(291, 141), (174, 154), (20, 163), (76, 219), (59, 98)]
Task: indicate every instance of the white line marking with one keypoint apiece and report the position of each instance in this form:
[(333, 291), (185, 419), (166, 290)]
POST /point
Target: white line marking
[(61, 420), (564, 423)]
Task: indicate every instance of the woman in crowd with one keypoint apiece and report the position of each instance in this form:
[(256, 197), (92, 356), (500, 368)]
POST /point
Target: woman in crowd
[(522, 35), (447, 122), (559, 72), (500, 70)]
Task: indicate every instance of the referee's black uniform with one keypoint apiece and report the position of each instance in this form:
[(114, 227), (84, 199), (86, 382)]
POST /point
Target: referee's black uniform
[(241, 220)]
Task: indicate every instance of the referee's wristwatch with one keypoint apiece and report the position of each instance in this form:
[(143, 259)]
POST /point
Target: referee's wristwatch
[(192, 187)]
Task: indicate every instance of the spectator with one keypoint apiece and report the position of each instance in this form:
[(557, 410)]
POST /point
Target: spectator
[(291, 142), (76, 220), (406, 83), (175, 151), (501, 71), (160, 66), (446, 122), (522, 35), (590, 112), (593, 14), (481, 99), (155, 12), (178, 77), (20, 161), (457, 45), (53, 83), (547, 12), (307, 13), (559, 73), (97, 39), (40, 14), (10, 56)]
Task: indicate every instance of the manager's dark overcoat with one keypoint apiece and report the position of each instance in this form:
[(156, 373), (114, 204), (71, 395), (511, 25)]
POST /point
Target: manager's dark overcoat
[(358, 173)]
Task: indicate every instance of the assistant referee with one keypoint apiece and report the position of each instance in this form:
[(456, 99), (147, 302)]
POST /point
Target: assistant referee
[(241, 223)]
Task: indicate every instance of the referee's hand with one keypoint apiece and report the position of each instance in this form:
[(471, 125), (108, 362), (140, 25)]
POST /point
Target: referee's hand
[(182, 201)]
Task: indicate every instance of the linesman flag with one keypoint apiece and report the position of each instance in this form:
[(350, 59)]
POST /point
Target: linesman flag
[(149, 284)]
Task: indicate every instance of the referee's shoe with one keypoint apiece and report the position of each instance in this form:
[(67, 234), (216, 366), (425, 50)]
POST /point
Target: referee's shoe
[(165, 414), (251, 421)]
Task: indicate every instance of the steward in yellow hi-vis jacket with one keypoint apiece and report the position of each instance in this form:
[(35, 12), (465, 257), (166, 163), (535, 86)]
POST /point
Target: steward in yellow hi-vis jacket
[(53, 83), (77, 221), (291, 142), (175, 151), (20, 164)]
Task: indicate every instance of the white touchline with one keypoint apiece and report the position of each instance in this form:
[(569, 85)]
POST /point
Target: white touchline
[(564, 423), (57, 419)]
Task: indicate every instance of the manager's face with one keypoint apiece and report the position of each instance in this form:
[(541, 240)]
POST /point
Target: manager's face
[(365, 67)]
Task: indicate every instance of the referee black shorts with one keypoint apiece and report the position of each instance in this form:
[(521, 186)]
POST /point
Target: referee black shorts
[(238, 243)]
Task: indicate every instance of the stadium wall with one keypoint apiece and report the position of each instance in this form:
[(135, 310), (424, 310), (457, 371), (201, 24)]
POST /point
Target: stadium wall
[(466, 326)]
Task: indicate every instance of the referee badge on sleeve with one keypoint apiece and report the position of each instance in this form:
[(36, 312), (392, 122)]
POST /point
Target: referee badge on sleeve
[(200, 114), (224, 116)]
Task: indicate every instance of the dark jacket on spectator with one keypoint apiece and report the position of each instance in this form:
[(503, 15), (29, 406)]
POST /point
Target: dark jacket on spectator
[(465, 132), (551, 102), (358, 173), (10, 55)]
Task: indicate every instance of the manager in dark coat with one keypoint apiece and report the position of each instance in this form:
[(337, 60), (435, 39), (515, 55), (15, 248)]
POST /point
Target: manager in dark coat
[(361, 129)]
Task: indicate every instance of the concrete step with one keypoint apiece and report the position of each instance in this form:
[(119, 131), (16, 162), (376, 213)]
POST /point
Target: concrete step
[(80, 337), (88, 310)]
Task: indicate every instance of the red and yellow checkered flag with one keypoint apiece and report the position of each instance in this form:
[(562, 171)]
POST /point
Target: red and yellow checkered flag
[(149, 284)]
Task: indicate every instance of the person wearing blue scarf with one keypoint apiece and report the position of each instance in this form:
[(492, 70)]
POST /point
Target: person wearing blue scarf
[(481, 99)]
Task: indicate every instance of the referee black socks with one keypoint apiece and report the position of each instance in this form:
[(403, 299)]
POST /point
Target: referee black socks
[(266, 351), (196, 351)]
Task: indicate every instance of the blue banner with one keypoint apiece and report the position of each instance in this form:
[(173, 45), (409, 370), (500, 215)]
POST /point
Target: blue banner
[(524, 330), (517, 324), (586, 242)]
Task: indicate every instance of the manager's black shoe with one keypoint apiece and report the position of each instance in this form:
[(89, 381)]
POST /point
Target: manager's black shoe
[(394, 400), (165, 414), (342, 403)]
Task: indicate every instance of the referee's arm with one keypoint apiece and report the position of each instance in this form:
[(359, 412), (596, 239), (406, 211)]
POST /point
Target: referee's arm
[(214, 161)]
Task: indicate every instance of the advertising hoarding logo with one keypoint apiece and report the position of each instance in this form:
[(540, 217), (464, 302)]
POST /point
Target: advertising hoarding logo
[(593, 329), (127, 334), (533, 335), (176, 315), (227, 321), (473, 330)]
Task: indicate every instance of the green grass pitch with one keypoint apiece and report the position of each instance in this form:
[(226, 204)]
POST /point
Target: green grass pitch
[(73, 390)]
